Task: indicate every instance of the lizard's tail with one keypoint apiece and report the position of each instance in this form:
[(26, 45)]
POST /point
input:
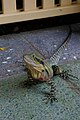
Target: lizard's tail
[(56, 56)]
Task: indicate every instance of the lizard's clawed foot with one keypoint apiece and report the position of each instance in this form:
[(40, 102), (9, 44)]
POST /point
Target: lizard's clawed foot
[(49, 96)]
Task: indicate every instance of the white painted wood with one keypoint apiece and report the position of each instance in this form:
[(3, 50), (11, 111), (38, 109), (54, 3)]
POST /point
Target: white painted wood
[(37, 14), (29, 5), (66, 2), (9, 6), (48, 4)]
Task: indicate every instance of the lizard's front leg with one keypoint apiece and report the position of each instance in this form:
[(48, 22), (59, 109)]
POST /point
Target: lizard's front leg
[(51, 95)]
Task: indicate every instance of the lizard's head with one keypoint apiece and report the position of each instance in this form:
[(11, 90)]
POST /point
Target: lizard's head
[(38, 69)]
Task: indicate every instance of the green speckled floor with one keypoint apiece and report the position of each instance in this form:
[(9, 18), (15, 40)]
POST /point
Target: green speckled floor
[(19, 102)]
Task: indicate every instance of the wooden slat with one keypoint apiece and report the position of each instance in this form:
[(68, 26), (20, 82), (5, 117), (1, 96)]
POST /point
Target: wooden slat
[(9, 6), (48, 3), (37, 14), (29, 5), (66, 2), (53, 3)]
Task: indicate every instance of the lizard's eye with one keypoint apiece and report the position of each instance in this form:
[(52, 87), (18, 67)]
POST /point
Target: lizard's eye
[(42, 70), (38, 60)]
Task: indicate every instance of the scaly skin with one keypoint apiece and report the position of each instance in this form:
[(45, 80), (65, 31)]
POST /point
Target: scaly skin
[(42, 69), (38, 69)]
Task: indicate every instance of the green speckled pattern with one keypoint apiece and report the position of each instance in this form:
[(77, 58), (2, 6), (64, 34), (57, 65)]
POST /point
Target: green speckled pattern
[(20, 102)]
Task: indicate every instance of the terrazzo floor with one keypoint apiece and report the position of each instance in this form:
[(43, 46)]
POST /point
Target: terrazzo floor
[(17, 101), (46, 40)]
